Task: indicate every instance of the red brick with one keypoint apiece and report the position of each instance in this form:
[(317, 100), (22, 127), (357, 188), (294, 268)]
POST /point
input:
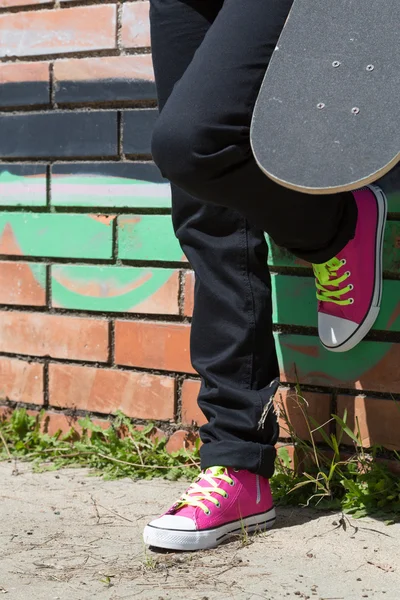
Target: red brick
[(55, 31), (152, 345), (140, 395), (135, 25), (9, 3), (315, 405), (188, 299), (39, 334), (19, 286), (22, 72), (191, 413), (181, 440), (138, 66), (53, 422), (21, 381), (155, 434), (5, 413), (378, 419)]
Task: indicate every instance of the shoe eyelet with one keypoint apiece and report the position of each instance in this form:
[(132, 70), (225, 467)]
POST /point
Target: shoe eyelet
[(351, 300), (343, 261), (348, 273), (218, 505), (351, 286), (232, 484), (207, 512), (236, 470)]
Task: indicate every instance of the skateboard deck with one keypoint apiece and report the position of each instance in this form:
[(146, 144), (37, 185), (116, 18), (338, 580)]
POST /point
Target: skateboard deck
[(327, 118)]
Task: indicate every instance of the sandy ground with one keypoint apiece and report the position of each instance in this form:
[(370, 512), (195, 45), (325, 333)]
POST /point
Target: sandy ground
[(67, 536)]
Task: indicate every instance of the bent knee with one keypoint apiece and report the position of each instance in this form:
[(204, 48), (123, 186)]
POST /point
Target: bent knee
[(190, 154)]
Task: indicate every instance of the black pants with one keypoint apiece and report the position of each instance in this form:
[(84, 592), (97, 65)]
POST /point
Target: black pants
[(210, 57)]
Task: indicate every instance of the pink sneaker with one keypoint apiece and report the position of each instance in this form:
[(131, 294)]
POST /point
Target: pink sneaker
[(218, 505), (349, 286)]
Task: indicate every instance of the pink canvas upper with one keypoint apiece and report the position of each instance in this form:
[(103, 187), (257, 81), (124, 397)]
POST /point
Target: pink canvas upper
[(359, 255), (250, 494)]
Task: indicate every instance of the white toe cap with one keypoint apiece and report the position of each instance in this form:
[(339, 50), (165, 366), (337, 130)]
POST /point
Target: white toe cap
[(334, 331), (174, 522)]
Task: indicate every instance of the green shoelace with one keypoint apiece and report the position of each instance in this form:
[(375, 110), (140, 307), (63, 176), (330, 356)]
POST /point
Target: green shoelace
[(326, 274)]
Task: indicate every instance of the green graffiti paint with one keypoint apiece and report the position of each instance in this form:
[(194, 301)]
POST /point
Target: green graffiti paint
[(112, 289), (38, 270), (370, 366), (16, 190), (55, 235), (294, 303), (147, 237)]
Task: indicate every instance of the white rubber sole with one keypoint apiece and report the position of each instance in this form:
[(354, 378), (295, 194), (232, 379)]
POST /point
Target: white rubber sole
[(175, 539), (373, 312)]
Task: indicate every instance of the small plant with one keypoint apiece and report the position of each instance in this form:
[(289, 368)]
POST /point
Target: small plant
[(358, 484), (119, 451)]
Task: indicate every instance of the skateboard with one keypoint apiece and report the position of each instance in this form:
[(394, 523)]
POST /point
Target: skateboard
[(327, 118)]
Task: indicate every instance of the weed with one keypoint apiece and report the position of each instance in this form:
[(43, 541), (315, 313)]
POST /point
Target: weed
[(330, 479), (327, 477), (119, 451)]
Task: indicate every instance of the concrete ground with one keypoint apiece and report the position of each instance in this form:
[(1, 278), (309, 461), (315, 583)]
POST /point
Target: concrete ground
[(67, 536)]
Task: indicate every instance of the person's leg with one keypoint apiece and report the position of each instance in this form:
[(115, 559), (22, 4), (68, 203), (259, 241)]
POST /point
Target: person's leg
[(202, 139), (232, 346), (202, 143)]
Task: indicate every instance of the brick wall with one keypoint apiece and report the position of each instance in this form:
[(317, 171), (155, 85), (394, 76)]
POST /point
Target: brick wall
[(95, 294)]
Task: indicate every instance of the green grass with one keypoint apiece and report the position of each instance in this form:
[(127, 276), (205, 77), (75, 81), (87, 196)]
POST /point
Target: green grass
[(327, 477), (119, 451)]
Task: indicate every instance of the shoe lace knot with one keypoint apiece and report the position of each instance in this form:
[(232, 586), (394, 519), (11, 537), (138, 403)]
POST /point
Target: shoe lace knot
[(197, 494), (327, 278)]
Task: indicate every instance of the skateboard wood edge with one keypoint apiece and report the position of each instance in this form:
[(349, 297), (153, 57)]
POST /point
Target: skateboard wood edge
[(351, 186)]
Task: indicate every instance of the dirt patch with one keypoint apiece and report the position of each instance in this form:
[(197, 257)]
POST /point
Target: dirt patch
[(67, 536)]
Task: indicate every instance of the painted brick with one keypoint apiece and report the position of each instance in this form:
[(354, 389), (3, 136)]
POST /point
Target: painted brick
[(191, 413), (378, 419), (371, 366), (148, 237), (58, 134), (138, 127), (56, 31), (110, 184), (56, 235), (115, 289), (294, 303), (181, 440), (22, 185), (21, 381), (151, 345), (188, 298), (281, 257), (22, 283), (12, 3), (139, 395), (106, 79), (24, 84), (38, 334), (311, 404), (135, 25)]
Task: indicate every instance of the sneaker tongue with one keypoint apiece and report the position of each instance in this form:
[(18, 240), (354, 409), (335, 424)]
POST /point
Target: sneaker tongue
[(215, 471)]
